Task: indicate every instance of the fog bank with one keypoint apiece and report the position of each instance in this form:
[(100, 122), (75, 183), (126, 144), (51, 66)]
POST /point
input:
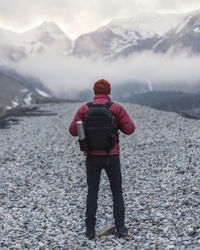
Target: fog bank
[(66, 75)]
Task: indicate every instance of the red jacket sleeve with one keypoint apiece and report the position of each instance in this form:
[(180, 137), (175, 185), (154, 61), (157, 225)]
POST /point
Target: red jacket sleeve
[(79, 116), (125, 124)]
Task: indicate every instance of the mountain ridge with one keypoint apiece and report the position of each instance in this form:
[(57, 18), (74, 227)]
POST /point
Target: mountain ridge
[(120, 37)]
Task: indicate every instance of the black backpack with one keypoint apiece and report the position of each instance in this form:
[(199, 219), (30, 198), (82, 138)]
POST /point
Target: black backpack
[(100, 131)]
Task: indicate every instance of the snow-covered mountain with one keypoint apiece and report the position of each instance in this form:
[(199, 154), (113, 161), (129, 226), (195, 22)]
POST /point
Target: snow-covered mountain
[(184, 36), (120, 37), (46, 38), (125, 36)]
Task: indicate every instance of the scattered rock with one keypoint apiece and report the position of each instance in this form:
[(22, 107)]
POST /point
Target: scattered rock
[(192, 231), (43, 185), (106, 230)]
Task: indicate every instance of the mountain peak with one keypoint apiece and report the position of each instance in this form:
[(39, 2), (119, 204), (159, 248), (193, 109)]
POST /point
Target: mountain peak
[(49, 25)]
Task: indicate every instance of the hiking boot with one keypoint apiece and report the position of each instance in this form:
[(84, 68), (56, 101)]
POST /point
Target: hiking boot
[(90, 229), (90, 233), (122, 232)]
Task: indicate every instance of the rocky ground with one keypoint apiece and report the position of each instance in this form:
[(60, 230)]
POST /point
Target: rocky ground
[(43, 185)]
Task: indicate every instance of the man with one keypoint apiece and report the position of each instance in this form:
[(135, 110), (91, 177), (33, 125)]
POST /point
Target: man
[(97, 160)]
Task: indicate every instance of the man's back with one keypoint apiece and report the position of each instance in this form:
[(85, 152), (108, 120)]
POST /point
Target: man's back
[(122, 118)]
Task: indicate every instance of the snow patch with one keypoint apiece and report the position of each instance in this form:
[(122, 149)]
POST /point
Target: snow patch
[(28, 99), (197, 30), (24, 90), (42, 93), (8, 107), (183, 24), (160, 41), (15, 104)]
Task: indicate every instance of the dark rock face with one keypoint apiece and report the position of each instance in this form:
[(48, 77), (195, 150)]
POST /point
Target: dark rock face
[(9, 90), (143, 44), (16, 91), (27, 82)]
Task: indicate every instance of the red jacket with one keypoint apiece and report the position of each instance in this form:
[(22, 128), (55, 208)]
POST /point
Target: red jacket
[(124, 122)]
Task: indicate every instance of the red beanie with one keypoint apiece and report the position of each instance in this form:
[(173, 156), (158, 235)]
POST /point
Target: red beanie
[(102, 87)]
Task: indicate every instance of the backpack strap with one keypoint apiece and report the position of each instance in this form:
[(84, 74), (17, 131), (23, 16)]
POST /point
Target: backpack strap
[(89, 104), (109, 104)]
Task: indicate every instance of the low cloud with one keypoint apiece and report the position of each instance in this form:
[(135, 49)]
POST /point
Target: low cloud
[(65, 76)]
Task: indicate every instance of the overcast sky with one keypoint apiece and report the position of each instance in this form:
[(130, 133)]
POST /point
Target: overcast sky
[(80, 16)]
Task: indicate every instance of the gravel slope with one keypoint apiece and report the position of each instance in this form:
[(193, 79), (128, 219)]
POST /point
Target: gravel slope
[(43, 184)]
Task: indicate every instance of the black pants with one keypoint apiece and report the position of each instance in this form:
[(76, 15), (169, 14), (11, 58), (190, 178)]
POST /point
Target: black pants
[(94, 165)]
